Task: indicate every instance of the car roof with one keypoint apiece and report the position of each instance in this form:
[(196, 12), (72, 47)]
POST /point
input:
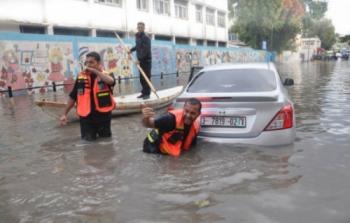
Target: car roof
[(230, 66)]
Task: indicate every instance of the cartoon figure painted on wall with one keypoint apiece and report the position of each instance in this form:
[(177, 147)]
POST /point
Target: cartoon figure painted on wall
[(196, 58), (28, 79), (181, 62), (11, 71), (3, 80), (125, 68), (112, 61), (40, 75), (56, 58), (69, 79), (226, 57)]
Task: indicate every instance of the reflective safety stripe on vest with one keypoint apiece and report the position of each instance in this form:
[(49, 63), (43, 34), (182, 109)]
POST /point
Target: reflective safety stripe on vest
[(103, 97), (173, 142)]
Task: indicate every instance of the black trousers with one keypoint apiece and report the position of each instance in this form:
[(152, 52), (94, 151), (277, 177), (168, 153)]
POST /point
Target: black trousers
[(90, 129), (146, 67)]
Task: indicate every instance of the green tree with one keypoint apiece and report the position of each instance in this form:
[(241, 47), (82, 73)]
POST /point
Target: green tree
[(325, 30), (317, 9), (307, 23), (274, 21), (345, 39)]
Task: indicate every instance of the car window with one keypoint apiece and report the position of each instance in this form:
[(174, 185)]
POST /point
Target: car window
[(238, 80)]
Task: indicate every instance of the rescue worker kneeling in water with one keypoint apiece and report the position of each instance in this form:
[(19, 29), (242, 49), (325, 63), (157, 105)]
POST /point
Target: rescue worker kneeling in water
[(173, 132), (93, 95)]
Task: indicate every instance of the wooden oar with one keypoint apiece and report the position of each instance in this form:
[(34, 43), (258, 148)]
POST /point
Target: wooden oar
[(138, 66)]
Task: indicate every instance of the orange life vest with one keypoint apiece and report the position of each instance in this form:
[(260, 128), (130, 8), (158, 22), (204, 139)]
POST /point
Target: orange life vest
[(103, 96), (172, 142)]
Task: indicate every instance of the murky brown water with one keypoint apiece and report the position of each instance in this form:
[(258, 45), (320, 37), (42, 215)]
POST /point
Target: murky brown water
[(47, 174)]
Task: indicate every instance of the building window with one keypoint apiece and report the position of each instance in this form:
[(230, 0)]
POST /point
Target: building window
[(110, 2), (162, 7), (182, 40), (200, 42), (211, 43), (108, 33), (232, 36), (32, 29), (199, 14), (222, 44), (221, 19), (142, 5), (162, 37), (181, 9), (70, 31), (210, 17)]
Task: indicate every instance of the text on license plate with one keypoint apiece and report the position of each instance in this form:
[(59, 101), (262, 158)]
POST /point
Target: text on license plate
[(223, 121)]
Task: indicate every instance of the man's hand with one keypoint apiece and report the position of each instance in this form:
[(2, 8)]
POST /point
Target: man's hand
[(148, 113), (148, 117), (63, 120), (92, 70)]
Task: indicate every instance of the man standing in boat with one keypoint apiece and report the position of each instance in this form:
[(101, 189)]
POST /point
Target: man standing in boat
[(144, 58), (93, 95), (173, 132)]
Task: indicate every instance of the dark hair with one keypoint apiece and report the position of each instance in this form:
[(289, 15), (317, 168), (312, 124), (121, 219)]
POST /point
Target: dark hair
[(95, 55), (194, 101), (141, 23)]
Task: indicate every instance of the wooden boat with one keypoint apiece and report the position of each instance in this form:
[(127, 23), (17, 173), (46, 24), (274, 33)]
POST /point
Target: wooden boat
[(126, 104)]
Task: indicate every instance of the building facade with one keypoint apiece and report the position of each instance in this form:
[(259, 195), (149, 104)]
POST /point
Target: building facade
[(193, 22), (308, 47)]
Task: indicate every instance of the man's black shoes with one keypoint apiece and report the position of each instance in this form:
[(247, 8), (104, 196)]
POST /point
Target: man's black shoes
[(143, 96)]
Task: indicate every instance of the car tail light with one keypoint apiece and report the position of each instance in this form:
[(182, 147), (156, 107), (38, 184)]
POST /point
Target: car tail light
[(282, 120)]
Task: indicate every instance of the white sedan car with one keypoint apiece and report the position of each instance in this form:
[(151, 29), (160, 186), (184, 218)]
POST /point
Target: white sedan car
[(243, 104)]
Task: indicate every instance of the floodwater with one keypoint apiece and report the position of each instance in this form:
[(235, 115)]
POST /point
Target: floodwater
[(47, 174)]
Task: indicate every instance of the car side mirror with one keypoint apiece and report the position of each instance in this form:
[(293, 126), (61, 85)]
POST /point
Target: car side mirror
[(288, 82)]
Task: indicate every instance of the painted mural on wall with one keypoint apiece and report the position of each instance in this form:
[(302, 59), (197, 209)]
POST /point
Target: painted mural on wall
[(46, 59), (162, 59), (185, 58), (113, 56), (26, 64)]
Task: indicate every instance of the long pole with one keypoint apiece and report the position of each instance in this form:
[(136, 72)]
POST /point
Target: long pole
[(139, 67)]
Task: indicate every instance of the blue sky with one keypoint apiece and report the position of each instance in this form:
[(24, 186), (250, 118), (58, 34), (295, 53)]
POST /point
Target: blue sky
[(339, 12)]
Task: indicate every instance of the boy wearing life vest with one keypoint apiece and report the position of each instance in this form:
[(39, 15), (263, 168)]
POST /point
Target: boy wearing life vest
[(173, 132), (93, 96)]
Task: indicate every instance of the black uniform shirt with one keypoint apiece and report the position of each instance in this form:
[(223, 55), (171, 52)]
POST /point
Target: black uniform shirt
[(167, 123)]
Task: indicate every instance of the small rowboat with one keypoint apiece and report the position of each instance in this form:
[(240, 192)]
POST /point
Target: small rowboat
[(126, 104)]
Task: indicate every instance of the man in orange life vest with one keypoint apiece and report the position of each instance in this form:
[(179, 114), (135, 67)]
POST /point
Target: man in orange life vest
[(93, 95), (173, 132)]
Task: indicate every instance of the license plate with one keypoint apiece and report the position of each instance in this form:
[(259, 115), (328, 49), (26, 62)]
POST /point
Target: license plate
[(223, 121)]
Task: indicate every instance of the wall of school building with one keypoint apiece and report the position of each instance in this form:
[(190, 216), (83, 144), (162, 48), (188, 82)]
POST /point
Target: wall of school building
[(30, 60)]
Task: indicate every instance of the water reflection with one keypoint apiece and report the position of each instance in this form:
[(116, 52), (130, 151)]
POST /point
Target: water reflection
[(49, 175)]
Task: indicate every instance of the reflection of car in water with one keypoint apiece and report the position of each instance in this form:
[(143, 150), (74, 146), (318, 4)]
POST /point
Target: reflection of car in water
[(243, 103)]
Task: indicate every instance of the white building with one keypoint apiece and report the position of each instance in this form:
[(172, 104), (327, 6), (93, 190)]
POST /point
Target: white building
[(308, 47), (195, 22)]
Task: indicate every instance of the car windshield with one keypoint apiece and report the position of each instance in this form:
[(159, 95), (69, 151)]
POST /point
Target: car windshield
[(237, 80)]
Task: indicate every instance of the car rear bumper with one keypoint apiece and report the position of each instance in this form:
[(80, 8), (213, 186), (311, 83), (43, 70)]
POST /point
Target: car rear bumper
[(266, 138)]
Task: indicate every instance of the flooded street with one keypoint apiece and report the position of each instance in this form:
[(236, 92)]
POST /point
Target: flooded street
[(47, 174)]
